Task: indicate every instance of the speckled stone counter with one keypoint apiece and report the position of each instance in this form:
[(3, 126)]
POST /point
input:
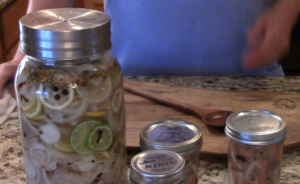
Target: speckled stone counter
[(211, 170)]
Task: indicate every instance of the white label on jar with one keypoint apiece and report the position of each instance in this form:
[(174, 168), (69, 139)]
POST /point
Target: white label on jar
[(171, 134), (158, 163)]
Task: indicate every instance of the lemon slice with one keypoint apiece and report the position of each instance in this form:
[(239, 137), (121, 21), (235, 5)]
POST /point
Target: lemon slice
[(39, 117), (26, 103), (96, 90), (95, 113), (69, 114), (34, 111), (106, 154), (63, 147), (100, 138), (80, 133), (56, 98)]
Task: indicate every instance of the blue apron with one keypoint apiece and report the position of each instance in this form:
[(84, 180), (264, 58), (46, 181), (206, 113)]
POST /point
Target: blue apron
[(184, 37)]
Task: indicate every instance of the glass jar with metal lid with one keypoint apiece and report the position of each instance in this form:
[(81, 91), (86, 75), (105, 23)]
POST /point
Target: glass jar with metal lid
[(255, 146), (70, 99), (180, 136), (159, 167)]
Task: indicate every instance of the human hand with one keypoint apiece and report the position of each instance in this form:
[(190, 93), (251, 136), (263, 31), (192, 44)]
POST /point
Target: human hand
[(269, 37), (7, 74)]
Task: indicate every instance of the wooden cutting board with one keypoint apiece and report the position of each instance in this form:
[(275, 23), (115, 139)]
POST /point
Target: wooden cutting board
[(141, 112)]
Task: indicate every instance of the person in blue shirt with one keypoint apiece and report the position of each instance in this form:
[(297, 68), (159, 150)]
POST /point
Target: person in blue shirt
[(192, 37)]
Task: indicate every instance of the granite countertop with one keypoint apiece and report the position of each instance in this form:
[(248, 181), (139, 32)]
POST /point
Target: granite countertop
[(211, 171)]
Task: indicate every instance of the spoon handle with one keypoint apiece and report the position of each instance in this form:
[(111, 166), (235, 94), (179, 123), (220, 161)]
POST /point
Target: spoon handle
[(164, 100)]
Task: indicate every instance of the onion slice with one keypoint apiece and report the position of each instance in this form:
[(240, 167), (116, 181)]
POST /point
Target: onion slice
[(39, 154), (33, 173)]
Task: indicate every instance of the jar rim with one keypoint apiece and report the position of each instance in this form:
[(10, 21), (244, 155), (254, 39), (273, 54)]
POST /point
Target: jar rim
[(255, 127)]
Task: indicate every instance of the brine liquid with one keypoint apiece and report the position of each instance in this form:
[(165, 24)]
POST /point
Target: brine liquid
[(72, 120), (249, 164)]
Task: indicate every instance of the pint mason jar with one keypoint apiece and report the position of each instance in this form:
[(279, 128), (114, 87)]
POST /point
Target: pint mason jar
[(255, 147), (158, 167), (179, 136), (70, 99)]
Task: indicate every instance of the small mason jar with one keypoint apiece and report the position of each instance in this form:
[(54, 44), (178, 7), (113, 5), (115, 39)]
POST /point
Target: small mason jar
[(69, 90), (255, 147), (158, 167), (179, 136)]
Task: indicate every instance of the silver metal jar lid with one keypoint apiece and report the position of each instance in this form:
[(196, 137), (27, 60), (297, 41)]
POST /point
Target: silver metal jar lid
[(255, 127), (157, 166), (65, 33), (175, 135)]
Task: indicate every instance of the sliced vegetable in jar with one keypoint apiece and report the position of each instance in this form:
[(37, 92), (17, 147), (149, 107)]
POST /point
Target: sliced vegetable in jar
[(34, 110), (39, 154), (86, 164), (62, 157), (117, 100), (79, 135), (100, 138), (71, 113), (49, 134), (95, 90), (63, 147), (28, 129), (33, 173), (27, 95), (56, 98), (39, 117), (65, 131), (86, 69), (104, 62), (96, 113)]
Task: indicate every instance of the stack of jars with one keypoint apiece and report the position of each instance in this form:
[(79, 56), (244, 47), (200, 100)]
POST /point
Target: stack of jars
[(170, 151)]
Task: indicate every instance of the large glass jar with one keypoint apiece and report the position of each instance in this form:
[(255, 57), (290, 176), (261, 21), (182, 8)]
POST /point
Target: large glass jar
[(70, 99), (255, 147)]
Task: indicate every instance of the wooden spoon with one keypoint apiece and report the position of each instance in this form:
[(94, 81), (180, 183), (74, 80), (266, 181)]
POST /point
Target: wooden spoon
[(211, 117)]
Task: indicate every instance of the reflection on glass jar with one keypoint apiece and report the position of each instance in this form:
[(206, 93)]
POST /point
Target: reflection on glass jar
[(255, 147), (72, 114)]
